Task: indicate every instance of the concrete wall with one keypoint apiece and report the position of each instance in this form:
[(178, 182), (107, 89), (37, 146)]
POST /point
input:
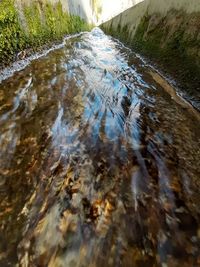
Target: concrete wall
[(133, 16), (130, 17), (87, 9), (111, 8), (168, 33), (164, 6), (108, 8), (28, 25), (81, 8), (167, 17)]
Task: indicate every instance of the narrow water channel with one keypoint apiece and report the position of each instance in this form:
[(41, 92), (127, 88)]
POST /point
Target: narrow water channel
[(99, 164)]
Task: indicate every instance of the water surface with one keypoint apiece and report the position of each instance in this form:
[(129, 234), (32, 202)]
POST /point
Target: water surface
[(99, 165)]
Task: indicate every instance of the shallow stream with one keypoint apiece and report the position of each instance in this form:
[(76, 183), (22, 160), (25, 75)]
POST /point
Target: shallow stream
[(99, 163)]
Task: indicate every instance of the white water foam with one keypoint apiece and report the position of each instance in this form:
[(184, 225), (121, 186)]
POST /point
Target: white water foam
[(22, 64)]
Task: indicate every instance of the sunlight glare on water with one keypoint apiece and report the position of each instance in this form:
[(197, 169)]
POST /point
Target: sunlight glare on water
[(99, 166)]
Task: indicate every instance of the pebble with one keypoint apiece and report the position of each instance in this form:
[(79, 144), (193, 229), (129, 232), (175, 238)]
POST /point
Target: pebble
[(180, 210)]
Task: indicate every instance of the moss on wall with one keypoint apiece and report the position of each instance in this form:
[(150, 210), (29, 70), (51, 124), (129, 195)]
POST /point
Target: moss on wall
[(173, 44), (159, 38), (171, 41), (42, 23), (11, 34)]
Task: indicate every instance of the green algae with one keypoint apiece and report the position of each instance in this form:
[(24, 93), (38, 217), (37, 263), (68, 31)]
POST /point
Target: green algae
[(41, 23), (170, 50)]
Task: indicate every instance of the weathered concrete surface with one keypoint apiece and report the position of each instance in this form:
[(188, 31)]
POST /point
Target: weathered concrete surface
[(112, 8), (82, 8), (168, 31), (94, 11), (133, 16)]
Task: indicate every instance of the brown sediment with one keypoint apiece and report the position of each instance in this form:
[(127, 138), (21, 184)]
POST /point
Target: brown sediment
[(99, 165)]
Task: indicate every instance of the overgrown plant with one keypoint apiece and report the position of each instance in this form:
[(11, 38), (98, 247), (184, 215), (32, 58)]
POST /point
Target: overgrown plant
[(11, 33), (42, 23)]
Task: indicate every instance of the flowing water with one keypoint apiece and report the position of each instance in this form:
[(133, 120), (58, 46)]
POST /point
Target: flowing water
[(99, 163)]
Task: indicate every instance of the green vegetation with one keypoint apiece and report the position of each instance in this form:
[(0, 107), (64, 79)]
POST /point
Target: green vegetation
[(169, 47), (170, 50), (154, 43), (11, 34), (41, 23)]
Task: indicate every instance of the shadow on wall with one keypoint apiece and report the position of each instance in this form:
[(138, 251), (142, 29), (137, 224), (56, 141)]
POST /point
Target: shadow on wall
[(82, 8), (166, 32)]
